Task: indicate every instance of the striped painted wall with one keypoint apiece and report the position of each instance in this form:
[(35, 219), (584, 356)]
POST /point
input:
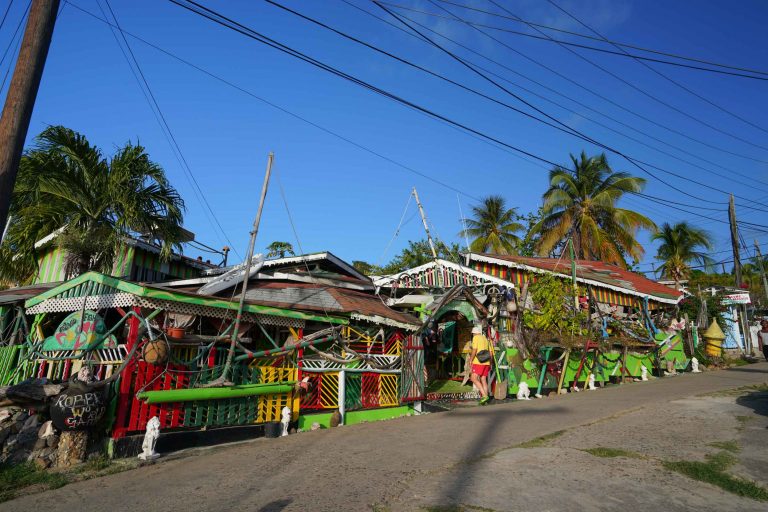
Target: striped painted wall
[(519, 277), (50, 266), (130, 263)]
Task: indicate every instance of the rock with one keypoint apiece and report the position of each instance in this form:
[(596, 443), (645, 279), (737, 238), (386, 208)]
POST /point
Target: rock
[(20, 416), (31, 422), (563, 391), (315, 426), (4, 433), (46, 430), (52, 441), (39, 444), (71, 449), (335, 418), (41, 463)]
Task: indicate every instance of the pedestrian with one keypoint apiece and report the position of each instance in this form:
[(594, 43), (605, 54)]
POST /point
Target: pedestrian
[(763, 334), (480, 356)]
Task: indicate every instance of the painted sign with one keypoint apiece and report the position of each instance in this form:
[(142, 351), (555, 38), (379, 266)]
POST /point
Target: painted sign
[(78, 411), (737, 298), (80, 331)]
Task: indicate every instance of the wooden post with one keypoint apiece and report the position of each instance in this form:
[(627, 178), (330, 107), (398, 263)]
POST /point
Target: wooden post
[(762, 268), (734, 241), (22, 92), (424, 221)]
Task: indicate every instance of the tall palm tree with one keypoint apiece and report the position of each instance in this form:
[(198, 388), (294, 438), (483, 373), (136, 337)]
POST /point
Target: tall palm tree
[(580, 204), (680, 246), (67, 185), (279, 249), (493, 227)]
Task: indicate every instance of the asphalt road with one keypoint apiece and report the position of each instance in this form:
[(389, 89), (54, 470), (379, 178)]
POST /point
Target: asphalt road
[(386, 465)]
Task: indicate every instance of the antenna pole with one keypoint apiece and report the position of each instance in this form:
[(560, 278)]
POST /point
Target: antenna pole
[(424, 221)]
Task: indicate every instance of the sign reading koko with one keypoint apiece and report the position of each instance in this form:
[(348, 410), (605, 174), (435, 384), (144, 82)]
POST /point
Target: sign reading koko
[(80, 331)]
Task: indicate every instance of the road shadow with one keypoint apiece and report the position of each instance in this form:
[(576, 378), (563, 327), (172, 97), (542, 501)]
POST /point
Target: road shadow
[(277, 505), (756, 400), (749, 369), (486, 443)]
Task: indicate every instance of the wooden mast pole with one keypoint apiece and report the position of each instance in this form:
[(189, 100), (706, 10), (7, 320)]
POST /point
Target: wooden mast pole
[(246, 268), (424, 221)]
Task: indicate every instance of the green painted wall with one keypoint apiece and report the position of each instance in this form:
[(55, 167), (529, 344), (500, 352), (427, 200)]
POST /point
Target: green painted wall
[(354, 417)]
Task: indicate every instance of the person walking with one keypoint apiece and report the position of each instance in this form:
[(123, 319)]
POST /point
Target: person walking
[(763, 335), (480, 357)]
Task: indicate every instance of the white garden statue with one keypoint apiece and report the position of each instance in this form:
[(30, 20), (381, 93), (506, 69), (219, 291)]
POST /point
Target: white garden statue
[(591, 383), (286, 420), (643, 373), (695, 365), (523, 391), (150, 440)]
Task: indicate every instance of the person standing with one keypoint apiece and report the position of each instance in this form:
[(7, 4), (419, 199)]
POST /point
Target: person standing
[(480, 356), (763, 334)]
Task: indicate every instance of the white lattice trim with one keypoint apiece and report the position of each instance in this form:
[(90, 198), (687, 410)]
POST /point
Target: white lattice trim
[(318, 363), (92, 302)]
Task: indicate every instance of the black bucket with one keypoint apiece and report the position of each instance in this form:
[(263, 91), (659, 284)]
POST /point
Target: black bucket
[(272, 429)]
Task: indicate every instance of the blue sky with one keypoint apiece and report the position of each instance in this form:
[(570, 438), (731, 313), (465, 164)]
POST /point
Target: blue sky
[(348, 200)]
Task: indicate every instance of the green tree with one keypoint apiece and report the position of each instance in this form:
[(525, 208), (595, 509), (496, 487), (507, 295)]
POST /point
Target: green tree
[(581, 204), (65, 184), (681, 245), (493, 227), (366, 268), (279, 250)]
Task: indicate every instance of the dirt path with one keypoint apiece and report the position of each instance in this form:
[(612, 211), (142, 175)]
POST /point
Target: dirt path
[(469, 458)]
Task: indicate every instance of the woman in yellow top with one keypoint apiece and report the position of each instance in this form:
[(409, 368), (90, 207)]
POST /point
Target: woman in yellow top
[(480, 370)]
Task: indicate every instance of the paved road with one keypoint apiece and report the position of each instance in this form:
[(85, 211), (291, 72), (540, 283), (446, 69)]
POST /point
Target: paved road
[(375, 466)]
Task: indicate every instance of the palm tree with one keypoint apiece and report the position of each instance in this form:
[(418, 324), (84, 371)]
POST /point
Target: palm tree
[(493, 227), (68, 186), (279, 250), (680, 244), (580, 204)]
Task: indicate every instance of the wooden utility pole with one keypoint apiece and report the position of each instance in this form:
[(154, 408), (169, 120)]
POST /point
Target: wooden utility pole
[(22, 92), (762, 268), (734, 241), (742, 311)]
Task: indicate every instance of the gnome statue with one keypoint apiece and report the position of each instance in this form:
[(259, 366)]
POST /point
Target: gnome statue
[(591, 383), (643, 373), (523, 391)]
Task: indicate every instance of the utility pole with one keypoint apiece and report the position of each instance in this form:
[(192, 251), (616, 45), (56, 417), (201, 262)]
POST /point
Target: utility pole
[(742, 311), (424, 221), (734, 241), (762, 268), (22, 92)]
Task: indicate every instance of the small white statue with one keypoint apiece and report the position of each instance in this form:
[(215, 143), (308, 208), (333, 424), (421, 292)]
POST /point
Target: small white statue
[(591, 382), (695, 365), (523, 391), (643, 373), (150, 439), (286, 420)]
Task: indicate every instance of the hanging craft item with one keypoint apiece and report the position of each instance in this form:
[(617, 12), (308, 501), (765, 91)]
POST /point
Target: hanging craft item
[(80, 331), (155, 351)]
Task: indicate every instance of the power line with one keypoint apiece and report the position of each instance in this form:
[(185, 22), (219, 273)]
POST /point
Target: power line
[(255, 35), (659, 73), (633, 161), (544, 86), (622, 53), (665, 202), (626, 82), (5, 15), (602, 39), (164, 123)]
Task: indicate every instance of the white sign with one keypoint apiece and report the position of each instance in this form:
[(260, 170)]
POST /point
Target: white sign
[(232, 277), (737, 298)]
